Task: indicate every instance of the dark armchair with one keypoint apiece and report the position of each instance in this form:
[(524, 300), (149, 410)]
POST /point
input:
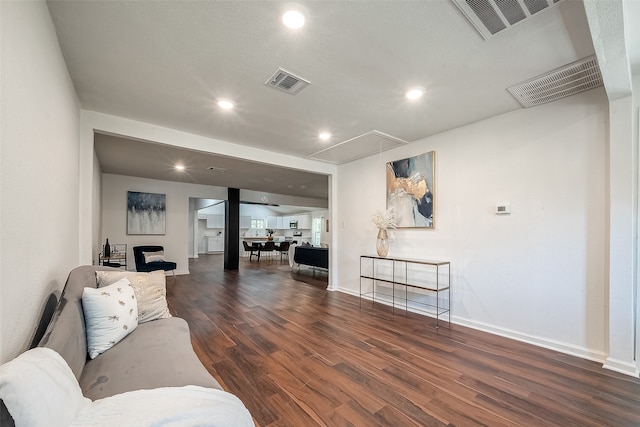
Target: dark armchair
[(143, 266)]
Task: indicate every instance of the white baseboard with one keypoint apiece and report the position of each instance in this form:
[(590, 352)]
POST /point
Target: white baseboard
[(345, 291), (627, 368), (562, 347)]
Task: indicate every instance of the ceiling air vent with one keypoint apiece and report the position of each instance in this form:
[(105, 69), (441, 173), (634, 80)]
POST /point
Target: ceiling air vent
[(565, 81), (287, 82), (490, 17)]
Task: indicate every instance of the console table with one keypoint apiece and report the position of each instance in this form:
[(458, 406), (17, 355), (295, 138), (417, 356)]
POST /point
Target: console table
[(117, 258), (428, 281)]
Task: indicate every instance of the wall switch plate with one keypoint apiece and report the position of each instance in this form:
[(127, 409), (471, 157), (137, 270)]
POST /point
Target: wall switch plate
[(503, 208)]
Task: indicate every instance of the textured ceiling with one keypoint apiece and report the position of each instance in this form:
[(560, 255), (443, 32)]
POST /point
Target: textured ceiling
[(165, 63)]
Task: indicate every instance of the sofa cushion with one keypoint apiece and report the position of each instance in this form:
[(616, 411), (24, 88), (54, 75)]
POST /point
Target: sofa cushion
[(158, 354), (150, 288)]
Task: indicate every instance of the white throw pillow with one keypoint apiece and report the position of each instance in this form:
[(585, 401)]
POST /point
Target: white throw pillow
[(39, 389), (153, 256), (110, 314), (150, 289)]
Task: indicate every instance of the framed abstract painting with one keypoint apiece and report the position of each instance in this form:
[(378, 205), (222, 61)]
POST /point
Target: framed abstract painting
[(411, 191), (146, 213)]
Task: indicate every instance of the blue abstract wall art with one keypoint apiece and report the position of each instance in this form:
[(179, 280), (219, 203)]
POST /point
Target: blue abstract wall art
[(146, 213)]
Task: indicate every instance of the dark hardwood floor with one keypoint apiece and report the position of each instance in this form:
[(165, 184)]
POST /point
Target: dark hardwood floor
[(298, 355)]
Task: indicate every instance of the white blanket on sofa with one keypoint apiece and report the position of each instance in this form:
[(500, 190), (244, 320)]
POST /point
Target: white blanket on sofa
[(170, 406), (39, 389)]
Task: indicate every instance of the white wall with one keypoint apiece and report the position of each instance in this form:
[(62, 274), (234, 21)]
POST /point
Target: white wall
[(622, 229), (636, 138), (537, 275), (38, 172), (203, 231), (177, 237), (96, 212)]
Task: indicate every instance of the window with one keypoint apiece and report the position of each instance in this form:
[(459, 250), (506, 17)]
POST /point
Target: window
[(317, 229), (257, 223)]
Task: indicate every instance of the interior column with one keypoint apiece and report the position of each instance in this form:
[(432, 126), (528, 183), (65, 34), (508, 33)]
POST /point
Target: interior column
[(232, 229)]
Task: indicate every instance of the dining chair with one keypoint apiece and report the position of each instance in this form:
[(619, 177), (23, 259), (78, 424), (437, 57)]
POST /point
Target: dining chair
[(283, 248), (252, 250), (268, 246)]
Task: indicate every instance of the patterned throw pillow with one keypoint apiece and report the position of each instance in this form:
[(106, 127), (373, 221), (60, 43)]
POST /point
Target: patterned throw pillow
[(150, 288), (110, 314)]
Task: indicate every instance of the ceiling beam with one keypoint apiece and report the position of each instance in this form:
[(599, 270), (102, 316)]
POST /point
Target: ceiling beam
[(607, 27)]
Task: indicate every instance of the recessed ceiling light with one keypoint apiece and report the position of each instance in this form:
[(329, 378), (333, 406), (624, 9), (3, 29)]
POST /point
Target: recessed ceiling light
[(293, 19), (179, 167), (414, 92), (225, 104), (324, 135)]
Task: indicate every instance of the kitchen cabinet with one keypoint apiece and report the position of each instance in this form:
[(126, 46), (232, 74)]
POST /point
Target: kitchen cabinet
[(284, 222), (272, 222), (245, 221), (304, 222), (215, 221), (215, 244)]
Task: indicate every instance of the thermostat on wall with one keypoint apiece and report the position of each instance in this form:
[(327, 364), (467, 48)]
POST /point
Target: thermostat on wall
[(503, 208)]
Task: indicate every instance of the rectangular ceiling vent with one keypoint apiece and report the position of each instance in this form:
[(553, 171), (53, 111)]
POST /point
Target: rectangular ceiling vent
[(367, 144), (490, 17), (287, 82), (565, 81)]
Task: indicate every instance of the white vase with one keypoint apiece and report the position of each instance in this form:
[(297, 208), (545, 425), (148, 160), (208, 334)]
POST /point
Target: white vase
[(382, 243)]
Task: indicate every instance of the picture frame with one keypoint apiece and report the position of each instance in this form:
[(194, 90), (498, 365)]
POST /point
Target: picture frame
[(411, 191), (146, 213)]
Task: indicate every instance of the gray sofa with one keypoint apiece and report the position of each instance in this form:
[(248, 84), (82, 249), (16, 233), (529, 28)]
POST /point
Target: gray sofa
[(156, 354)]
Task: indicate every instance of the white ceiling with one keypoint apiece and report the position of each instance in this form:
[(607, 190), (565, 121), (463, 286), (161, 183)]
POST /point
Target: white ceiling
[(122, 156), (166, 62)]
